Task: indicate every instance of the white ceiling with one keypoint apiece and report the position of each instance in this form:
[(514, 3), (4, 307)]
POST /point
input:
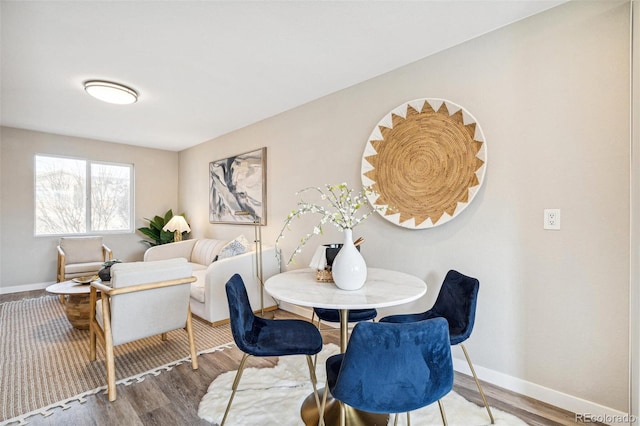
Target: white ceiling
[(206, 68)]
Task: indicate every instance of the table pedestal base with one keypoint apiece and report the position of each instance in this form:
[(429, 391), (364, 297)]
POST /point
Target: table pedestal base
[(77, 307), (310, 417)]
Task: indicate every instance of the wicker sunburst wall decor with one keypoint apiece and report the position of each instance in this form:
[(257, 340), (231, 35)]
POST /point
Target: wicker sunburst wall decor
[(425, 162)]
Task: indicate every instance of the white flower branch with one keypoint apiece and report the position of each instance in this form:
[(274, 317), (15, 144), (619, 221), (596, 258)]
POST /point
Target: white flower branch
[(346, 209)]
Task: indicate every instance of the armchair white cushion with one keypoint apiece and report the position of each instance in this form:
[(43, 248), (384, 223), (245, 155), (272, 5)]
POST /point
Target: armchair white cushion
[(78, 256), (208, 297), (143, 299)]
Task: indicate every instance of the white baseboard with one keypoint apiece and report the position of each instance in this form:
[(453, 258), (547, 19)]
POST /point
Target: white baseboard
[(27, 287), (556, 398)]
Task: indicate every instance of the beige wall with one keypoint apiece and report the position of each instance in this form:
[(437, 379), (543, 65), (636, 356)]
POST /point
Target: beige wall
[(27, 259), (551, 94)]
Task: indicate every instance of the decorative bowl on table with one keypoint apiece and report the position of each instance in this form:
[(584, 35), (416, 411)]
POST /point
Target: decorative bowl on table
[(85, 279)]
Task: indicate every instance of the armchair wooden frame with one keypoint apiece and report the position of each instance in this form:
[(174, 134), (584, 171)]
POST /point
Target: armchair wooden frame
[(105, 336), (107, 254)]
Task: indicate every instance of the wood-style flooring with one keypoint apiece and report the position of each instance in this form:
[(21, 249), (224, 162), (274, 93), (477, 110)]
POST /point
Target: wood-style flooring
[(172, 397)]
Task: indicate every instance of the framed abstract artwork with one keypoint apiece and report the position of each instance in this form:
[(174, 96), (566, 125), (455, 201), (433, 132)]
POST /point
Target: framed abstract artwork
[(238, 189)]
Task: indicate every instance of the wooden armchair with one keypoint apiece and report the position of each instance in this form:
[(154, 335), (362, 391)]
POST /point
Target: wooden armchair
[(143, 299), (80, 256)]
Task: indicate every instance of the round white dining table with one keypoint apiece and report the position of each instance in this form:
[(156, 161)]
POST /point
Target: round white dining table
[(383, 288)]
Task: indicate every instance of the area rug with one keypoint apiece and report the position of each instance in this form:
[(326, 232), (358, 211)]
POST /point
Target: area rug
[(44, 362), (273, 396)]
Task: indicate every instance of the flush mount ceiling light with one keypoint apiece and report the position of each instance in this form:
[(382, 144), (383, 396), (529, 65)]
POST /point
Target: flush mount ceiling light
[(108, 91)]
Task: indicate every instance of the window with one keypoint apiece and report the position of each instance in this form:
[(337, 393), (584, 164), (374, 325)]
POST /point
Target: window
[(75, 196)]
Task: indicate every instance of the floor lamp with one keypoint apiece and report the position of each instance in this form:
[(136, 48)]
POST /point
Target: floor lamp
[(257, 232)]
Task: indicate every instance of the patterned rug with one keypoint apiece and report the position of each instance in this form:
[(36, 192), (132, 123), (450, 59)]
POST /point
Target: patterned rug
[(44, 362)]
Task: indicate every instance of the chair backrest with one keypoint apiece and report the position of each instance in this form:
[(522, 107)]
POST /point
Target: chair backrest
[(147, 313), (82, 249), (241, 315), (456, 302), (395, 367)]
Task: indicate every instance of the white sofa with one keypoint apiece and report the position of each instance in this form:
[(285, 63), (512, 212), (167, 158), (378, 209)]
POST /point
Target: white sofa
[(208, 296)]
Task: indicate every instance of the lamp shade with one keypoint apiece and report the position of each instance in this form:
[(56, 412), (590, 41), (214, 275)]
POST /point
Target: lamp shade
[(319, 259), (177, 223)]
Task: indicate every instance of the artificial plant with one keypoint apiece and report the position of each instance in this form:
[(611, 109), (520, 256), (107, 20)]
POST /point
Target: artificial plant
[(155, 232)]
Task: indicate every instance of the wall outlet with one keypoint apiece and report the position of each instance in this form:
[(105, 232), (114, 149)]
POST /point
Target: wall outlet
[(552, 219)]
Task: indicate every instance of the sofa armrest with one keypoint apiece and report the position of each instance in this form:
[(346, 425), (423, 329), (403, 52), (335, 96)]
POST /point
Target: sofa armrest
[(220, 271), (170, 251)]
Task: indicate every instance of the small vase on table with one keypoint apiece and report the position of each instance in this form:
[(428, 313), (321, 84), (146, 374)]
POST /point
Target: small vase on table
[(349, 268)]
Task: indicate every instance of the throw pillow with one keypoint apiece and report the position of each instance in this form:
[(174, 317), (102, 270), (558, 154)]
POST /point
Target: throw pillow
[(234, 247)]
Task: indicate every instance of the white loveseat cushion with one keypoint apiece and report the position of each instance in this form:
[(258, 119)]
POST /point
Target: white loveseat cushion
[(205, 251), (203, 254), (197, 287)]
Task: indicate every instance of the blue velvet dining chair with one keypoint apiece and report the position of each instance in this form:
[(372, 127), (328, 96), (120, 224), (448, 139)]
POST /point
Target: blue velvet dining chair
[(261, 337), (393, 368), (333, 315), (456, 303)]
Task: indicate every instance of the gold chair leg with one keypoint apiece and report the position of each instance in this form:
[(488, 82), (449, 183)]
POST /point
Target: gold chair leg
[(315, 357), (442, 414), (475, 377), (235, 386), (324, 403), (314, 381), (318, 324), (408, 418)]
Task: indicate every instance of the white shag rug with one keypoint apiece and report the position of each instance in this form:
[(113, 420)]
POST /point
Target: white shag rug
[(273, 396)]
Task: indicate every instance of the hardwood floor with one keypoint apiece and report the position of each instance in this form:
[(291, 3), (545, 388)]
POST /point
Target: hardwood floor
[(172, 397)]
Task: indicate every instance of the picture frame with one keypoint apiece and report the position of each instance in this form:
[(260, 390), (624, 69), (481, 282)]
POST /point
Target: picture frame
[(238, 189)]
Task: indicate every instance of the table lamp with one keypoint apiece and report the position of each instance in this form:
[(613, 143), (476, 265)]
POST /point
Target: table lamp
[(177, 225)]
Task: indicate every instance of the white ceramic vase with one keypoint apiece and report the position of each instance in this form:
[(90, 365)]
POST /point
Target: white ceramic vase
[(349, 269)]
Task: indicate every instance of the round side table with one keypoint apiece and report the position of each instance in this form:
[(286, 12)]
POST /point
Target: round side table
[(76, 302)]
